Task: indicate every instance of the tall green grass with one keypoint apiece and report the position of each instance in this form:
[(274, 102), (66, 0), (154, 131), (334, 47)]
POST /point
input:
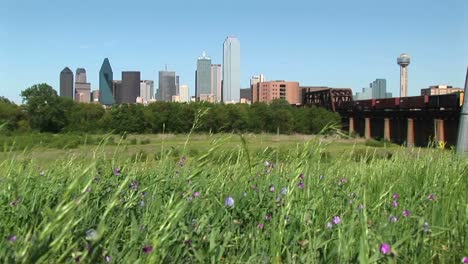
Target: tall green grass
[(77, 210)]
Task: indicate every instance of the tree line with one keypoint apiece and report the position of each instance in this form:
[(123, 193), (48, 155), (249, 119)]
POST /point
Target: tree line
[(44, 111)]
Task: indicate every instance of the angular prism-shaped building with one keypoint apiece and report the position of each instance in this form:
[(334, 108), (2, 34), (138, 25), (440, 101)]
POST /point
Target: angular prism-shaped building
[(106, 95)]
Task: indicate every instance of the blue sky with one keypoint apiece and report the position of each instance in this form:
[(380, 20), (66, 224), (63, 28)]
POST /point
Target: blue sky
[(338, 43)]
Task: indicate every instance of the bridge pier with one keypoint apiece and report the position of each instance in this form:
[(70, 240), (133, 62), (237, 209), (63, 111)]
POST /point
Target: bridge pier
[(387, 129), (351, 126), (439, 127), (410, 133), (367, 128)]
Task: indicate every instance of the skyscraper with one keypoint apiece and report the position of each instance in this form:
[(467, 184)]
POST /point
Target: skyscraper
[(231, 70), (376, 90), (106, 95), (184, 94), (167, 85), (203, 78), (66, 83), (82, 88), (216, 79), (130, 89), (147, 91)]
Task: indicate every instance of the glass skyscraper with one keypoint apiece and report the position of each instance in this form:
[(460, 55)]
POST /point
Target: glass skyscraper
[(168, 83), (66, 83), (203, 84), (106, 96), (231, 70), (130, 89)]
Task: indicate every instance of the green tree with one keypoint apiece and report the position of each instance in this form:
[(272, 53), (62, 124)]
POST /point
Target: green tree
[(11, 115), (46, 110)]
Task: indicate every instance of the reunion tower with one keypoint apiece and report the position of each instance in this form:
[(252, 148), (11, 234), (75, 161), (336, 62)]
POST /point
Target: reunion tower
[(403, 61)]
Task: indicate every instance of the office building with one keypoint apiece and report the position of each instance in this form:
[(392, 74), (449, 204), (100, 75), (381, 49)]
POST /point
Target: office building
[(146, 91), (184, 96), (207, 98), (271, 90), (95, 96), (66, 83), (376, 90), (116, 88), (168, 85), (130, 89), (246, 93), (231, 70), (82, 87), (256, 79), (106, 77), (203, 76), (440, 89), (216, 82)]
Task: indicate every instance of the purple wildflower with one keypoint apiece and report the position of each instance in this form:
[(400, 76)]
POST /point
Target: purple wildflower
[(385, 248), (117, 171), (107, 259), (395, 196), (431, 197), (196, 194), (395, 203), (336, 220), (147, 249), (12, 239), (465, 260), (182, 161), (229, 201), (393, 219), (406, 213), (134, 186), (301, 185), (260, 226), (272, 188), (301, 176)]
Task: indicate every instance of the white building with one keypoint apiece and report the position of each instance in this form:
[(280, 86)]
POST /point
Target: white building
[(231, 70), (146, 91), (184, 93), (216, 79)]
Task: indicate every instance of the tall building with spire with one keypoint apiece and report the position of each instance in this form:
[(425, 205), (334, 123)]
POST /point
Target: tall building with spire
[(66, 83), (231, 70), (106, 95), (203, 76)]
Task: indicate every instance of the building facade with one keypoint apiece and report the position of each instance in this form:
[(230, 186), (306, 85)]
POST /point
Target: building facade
[(184, 96), (106, 77), (82, 87), (440, 89), (66, 83), (168, 86), (203, 76), (216, 82), (231, 70), (146, 91), (376, 90), (130, 88), (95, 96), (271, 90)]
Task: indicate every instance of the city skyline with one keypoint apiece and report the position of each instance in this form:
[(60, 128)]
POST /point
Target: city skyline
[(359, 44)]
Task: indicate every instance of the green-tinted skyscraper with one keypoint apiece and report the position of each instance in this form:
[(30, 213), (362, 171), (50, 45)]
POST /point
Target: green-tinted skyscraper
[(106, 97)]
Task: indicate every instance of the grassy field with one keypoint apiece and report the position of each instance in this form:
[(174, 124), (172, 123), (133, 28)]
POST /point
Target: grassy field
[(233, 199)]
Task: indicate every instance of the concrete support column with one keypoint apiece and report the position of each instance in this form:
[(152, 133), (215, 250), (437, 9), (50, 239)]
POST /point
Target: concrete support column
[(410, 133), (439, 130), (351, 125), (367, 129), (387, 129)]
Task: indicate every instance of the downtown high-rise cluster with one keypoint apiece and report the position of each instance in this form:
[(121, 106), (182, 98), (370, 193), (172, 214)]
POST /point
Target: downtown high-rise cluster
[(213, 82)]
